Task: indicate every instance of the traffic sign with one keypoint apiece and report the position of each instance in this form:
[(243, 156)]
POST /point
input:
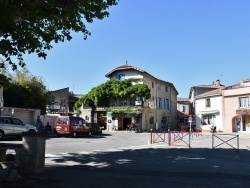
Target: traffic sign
[(190, 119)]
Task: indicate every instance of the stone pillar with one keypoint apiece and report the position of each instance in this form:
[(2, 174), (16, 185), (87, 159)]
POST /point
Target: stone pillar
[(33, 152)]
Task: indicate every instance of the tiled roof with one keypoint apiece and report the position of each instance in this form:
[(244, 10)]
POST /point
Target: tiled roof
[(214, 92), (210, 86), (124, 67), (127, 66), (182, 99)]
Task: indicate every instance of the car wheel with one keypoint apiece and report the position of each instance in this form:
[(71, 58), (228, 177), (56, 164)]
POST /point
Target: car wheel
[(74, 134), (1, 135), (56, 133), (31, 131)]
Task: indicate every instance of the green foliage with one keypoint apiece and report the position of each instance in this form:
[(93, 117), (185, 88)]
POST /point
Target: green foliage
[(29, 26), (26, 91), (101, 95), (123, 110), (4, 77)]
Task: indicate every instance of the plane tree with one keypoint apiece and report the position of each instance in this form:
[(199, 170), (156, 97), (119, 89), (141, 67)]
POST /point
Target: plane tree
[(102, 94), (30, 26)]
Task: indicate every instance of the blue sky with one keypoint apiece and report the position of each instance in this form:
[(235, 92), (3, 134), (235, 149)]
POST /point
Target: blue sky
[(185, 42)]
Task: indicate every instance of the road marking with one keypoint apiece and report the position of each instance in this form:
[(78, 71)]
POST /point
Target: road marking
[(107, 150)]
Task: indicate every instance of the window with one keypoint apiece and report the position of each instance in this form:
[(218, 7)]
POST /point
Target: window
[(167, 104), (153, 84), (207, 120), (16, 121), (208, 103), (151, 120), (166, 88), (138, 98), (59, 121), (158, 103), (121, 76), (244, 102), (6, 120), (183, 108), (159, 87), (65, 121), (164, 120)]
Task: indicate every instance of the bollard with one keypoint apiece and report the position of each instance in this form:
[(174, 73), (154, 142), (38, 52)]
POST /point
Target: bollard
[(33, 152), (169, 138), (151, 134)]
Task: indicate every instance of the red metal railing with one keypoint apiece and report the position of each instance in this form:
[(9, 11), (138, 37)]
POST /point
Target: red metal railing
[(173, 137)]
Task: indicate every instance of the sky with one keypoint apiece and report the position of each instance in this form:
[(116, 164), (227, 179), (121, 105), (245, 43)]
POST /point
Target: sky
[(185, 42)]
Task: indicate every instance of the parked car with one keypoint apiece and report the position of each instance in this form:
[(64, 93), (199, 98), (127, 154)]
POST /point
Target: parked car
[(12, 126), (95, 128), (72, 126)]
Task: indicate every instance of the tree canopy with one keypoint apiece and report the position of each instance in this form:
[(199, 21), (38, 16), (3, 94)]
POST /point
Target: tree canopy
[(101, 95), (25, 91), (29, 26)]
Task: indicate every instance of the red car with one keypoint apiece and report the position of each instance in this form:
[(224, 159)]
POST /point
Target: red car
[(72, 126)]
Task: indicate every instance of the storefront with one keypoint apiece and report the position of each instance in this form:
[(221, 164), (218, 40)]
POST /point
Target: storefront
[(122, 120), (242, 120)]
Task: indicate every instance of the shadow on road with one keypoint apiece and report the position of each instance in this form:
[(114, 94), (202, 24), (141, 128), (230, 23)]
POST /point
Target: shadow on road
[(148, 167)]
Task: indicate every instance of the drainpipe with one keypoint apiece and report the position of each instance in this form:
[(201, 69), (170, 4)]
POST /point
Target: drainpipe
[(156, 123)]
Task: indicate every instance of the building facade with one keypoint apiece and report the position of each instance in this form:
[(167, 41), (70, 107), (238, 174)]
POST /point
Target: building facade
[(227, 108), (198, 91), (209, 110), (158, 112), (183, 110), (236, 107), (63, 102)]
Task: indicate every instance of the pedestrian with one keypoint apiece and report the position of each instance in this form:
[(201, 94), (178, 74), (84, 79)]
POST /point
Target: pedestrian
[(39, 124), (47, 128)]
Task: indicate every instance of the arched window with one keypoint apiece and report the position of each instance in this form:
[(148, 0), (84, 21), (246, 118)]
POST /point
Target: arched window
[(151, 120), (121, 76), (164, 122)]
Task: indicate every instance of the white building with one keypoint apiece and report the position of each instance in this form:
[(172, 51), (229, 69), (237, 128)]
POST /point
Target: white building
[(209, 110)]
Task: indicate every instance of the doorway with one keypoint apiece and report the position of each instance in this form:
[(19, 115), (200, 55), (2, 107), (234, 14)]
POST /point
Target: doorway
[(125, 122)]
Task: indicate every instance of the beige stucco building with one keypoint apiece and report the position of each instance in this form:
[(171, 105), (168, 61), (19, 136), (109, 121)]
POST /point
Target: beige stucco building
[(236, 107), (158, 112)]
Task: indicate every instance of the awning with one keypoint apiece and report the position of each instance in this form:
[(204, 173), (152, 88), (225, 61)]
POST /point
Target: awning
[(243, 112), (209, 112)]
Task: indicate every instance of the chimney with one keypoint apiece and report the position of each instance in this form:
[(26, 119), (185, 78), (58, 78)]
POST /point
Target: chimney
[(217, 82)]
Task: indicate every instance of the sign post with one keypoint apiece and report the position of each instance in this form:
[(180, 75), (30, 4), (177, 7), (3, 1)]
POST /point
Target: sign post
[(190, 119), (1, 104)]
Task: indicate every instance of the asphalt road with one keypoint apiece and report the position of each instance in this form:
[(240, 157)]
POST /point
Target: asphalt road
[(128, 160)]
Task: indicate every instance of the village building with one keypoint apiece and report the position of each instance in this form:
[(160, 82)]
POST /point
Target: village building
[(158, 112)]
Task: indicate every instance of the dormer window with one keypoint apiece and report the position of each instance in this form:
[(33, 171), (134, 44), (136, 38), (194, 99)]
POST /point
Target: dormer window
[(122, 76)]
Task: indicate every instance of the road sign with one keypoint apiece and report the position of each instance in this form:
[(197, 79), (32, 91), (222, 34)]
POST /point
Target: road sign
[(190, 119)]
